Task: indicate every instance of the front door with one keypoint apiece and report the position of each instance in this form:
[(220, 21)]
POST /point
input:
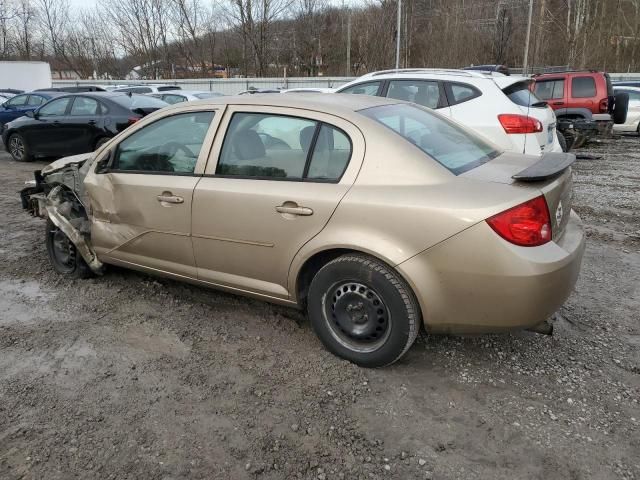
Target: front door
[(47, 135), (279, 176), (141, 204)]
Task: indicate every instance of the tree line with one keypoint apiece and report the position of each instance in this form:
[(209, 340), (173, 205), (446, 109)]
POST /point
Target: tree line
[(201, 38)]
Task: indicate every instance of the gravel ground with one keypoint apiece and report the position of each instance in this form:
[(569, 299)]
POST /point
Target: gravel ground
[(127, 376)]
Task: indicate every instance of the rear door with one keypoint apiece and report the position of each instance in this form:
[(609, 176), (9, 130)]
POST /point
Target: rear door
[(554, 92), (274, 179), (82, 124), (142, 202)]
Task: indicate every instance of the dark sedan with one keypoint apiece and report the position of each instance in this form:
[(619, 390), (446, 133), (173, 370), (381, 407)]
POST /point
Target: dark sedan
[(77, 123), (19, 105)]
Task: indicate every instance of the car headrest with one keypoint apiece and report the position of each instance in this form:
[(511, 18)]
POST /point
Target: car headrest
[(248, 145), (306, 137)]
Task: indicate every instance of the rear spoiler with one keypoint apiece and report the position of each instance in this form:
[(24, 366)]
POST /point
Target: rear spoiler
[(550, 165)]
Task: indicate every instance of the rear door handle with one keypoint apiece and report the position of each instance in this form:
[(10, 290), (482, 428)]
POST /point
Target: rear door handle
[(294, 210), (558, 103), (92, 122), (168, 197)]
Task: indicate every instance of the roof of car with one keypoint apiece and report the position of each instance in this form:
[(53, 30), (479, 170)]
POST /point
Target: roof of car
[(307, 101)]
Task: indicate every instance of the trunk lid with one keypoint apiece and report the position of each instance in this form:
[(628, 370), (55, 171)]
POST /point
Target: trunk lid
[(550, 175)]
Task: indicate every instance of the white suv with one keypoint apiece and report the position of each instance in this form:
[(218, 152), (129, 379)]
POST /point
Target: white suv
[(501, 108)]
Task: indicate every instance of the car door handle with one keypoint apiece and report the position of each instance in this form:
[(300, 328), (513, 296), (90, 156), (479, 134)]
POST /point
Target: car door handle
[(168, 197), (91, 122), (294, 210), (558, 103)]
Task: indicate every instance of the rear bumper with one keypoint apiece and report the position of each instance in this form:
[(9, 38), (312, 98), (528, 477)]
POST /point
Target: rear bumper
[(476, 282)]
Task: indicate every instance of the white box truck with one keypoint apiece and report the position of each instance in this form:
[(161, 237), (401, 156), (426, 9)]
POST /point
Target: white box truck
[(25, 76)]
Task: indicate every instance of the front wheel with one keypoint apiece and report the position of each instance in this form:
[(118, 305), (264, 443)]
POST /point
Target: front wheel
[(18, 148), (363, 311), (63, 254)]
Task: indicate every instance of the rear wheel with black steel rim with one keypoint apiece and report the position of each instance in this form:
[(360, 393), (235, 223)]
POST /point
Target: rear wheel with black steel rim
[(363, 311), (18, 148), (63, 254)]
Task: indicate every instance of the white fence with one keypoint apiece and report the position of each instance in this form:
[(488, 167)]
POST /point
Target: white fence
[(226, 86)]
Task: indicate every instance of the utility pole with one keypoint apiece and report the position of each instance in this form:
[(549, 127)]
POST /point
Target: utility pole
[(349, 43), (398, 27), (525, 61)]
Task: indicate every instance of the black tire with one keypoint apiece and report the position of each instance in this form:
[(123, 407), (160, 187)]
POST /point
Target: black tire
[(562, 141), (63, 255), (18, 148), (620, 108), (101, 141), (363, 311)]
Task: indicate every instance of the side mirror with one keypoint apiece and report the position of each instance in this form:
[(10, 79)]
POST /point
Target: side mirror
[(30, 114), (104, 164)]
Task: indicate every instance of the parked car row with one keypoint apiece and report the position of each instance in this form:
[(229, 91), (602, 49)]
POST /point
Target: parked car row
[(68, 124)]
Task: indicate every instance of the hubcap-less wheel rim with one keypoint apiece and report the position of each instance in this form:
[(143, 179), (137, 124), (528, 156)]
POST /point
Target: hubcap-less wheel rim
[(357, 317), (16, 147), (64, 251)]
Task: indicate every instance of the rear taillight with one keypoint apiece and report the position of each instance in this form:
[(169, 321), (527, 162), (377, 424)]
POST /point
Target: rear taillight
[(132, 120), (513, 123), (604, 105), (527, 224)]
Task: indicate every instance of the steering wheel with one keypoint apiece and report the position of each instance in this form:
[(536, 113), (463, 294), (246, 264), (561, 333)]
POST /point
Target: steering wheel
[(171, 148)]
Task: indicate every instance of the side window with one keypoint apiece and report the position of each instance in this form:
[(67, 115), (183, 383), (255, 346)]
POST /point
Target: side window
[(548, 89), (171, 145), (369, 88), (84, 106), (459, 93), (280, 147), (330, 155), (263, 145), (35, 100), (583, 87), (55, 108), (416, 91), (171, 99), (17, 101), (141, 90)]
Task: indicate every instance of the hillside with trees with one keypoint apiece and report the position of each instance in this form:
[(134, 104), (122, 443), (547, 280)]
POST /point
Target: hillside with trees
[(200, 38)]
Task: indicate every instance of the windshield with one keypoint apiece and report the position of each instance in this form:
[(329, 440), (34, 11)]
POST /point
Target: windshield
[(453, 147), (134, 101), (207, 95)]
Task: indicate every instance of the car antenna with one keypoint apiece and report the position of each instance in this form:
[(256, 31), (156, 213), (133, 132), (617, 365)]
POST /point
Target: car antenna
[(129, 93)]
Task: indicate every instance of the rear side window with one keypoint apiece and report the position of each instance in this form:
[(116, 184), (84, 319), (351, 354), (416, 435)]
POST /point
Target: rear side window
[(83, 106), (456, 149), (548, 89), (422, 92), (172, 99), (520, 94), (279, 147), (583, 87), (459, 93), (369, 88)]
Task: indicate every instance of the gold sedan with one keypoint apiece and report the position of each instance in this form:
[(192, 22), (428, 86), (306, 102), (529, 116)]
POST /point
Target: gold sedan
[(377, 216)]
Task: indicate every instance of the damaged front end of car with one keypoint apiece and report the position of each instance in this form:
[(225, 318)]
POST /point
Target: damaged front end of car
[(57, 194)]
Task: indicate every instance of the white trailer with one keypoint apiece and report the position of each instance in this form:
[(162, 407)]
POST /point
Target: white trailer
[(25, 76)]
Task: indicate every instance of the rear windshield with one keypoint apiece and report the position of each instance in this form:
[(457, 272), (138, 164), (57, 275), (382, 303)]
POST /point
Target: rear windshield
[(456, 149), (134, 101), (520, 94)]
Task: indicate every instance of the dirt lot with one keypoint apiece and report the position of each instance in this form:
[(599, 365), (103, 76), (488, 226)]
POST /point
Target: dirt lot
[(127, 376)]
